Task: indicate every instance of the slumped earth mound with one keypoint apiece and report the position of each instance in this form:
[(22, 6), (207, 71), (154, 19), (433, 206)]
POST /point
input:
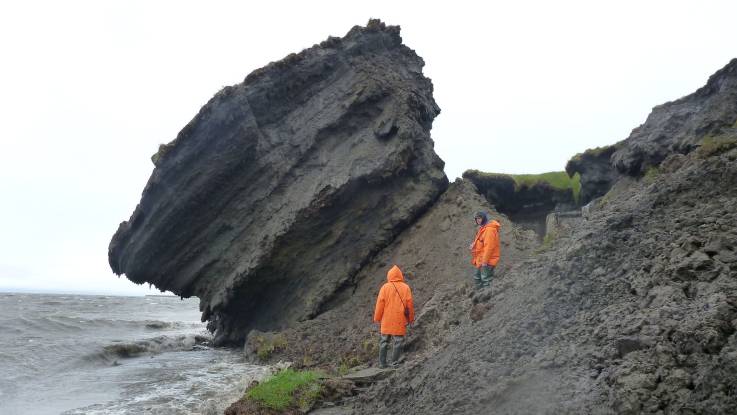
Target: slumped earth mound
[(632, 311)]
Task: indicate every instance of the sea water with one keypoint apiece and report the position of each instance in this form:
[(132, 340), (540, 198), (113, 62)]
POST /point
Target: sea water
[(80, 354)]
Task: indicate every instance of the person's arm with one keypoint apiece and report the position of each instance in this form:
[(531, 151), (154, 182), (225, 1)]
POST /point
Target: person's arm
[(411, 307), (379, 309), (491, 239)]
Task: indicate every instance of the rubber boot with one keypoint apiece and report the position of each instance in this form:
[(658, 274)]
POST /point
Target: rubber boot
[(487, 272), (477, 279), (396, 349), (383, 346)]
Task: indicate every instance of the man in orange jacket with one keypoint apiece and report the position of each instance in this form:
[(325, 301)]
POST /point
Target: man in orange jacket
[(394, 310), (485, 249)]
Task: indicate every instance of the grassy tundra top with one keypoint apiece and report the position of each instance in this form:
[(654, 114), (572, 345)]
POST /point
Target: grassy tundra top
[(556, 179)]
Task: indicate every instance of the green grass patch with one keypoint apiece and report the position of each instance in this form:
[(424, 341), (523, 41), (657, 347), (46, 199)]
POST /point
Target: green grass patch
[(266, 345), (548, 241), (651, 174), (347, 363), (487, 176), (711, 145), (591, 152), (288, 388), (557, 179), (163, 149)]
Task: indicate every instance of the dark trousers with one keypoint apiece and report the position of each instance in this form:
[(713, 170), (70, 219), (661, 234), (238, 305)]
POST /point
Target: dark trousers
[(482, 276), (384, 348)]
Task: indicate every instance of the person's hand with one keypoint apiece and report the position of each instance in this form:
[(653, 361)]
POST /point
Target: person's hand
[(470, 246)]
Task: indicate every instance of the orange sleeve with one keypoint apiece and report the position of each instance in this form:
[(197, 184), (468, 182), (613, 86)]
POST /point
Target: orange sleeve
[(379, 309), (491, 239)]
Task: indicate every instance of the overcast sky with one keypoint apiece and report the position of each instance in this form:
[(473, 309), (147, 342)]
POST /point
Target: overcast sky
[(88, 90)]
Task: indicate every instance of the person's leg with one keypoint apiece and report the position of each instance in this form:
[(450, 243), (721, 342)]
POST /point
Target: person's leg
[(383, 346), (477, 278), (396, 349), (487, 272)]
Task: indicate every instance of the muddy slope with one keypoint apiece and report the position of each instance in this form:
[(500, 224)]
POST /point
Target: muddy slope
[(433, 254), (284, 186), (633, 311)]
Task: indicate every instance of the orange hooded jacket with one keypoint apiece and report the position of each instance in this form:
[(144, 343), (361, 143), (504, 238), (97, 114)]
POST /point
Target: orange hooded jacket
[(389, 308), (485, 250)]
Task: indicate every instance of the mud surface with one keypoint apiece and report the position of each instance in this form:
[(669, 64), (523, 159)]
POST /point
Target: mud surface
[(632, 312)]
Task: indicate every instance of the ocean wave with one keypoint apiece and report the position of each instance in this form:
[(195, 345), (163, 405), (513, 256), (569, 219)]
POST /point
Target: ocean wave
[(65, 324), (167, 325), (111, 353), (52, 303)]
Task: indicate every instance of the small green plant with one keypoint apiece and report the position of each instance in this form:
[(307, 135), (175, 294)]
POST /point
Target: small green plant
[(288, 388), (593, 152), (651, 173), (308, 395), (307, 360), (604, 200), (346, 363), (267, 345), (713, 145), (548, 241), (163, 149), (370, 346), (343, 369)]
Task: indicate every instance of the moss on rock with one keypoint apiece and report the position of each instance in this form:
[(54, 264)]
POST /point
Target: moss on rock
[(713, 145)]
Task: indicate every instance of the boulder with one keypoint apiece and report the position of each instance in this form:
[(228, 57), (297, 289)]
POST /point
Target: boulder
[(283, 186)]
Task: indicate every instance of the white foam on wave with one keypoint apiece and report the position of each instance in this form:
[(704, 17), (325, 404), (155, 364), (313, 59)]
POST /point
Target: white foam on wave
[(56, 347), (156, 345), (201, 382)]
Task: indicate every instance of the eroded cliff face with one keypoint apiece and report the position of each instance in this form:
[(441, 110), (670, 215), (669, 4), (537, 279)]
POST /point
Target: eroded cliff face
[(526, 204), (281, 188), (680, 126), (705, 117)]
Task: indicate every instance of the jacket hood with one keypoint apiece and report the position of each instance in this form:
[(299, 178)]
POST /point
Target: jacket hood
[(493, 224), (394, 274)]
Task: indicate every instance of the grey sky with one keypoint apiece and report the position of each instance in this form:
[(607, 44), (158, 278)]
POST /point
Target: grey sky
[(90, 89)]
